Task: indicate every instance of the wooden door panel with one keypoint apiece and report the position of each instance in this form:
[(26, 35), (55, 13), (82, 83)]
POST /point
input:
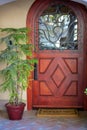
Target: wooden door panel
[(58, 80), (61, 73)]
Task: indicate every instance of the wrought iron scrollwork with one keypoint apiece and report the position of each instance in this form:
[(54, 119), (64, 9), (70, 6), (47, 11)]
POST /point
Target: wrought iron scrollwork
[(58, 28)]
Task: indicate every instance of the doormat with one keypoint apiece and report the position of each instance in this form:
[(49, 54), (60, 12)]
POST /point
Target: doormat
[(57, 112)]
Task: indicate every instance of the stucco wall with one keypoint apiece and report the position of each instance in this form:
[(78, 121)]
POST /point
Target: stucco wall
[(14, 15)]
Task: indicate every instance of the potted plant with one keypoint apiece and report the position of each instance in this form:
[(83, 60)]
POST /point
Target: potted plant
[(19, 63)]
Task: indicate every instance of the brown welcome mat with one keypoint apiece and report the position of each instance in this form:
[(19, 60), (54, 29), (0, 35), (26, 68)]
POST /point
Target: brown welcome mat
[(57, 112)]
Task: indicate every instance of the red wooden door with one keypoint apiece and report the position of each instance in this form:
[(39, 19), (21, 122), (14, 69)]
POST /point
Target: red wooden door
[(59, 74), (60, 79)]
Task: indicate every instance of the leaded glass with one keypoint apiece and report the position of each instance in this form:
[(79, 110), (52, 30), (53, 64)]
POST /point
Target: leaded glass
[(58, 29)]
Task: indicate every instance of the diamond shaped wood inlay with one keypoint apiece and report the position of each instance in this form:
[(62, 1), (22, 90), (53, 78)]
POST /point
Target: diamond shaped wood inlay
[(58, 76)]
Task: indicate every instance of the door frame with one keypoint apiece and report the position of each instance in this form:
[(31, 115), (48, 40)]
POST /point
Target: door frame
[(81, 13)]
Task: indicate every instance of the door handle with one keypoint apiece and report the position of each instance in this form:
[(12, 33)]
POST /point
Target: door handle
[(35, 72)]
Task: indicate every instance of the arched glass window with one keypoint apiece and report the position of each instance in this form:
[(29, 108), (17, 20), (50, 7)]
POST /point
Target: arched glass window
[(58, 28)]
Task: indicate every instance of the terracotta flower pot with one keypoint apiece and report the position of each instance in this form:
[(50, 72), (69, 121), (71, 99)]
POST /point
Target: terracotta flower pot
[(15, 112)]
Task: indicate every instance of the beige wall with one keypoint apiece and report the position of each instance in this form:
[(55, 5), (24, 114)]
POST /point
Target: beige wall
[(14, 15)]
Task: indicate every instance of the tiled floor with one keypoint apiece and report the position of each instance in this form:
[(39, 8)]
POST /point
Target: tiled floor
[(31, 122)]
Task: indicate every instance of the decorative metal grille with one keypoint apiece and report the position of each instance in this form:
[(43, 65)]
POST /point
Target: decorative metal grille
[(58, 29)]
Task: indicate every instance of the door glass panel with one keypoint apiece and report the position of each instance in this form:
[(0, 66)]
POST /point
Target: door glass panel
[(58, 29)]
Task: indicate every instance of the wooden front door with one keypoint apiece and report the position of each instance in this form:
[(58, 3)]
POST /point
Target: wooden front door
[(58, 37), (59, 80)]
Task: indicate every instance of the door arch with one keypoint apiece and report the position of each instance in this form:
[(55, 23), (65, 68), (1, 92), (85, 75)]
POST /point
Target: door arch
[(37, 96)]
